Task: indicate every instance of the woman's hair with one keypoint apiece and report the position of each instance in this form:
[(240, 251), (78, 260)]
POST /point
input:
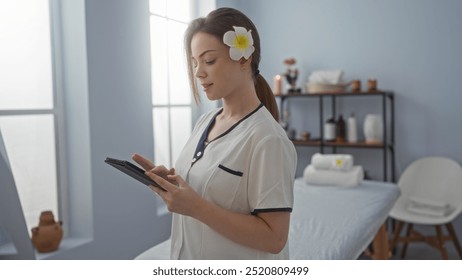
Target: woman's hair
[(217, 23)]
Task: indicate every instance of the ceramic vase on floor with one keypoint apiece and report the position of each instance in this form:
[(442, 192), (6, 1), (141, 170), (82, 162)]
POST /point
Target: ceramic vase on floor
[(373, 128), (47, 236)]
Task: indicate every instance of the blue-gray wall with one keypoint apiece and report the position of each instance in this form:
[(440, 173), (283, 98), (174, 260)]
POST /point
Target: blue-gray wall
[(412, 47), (105, 71)]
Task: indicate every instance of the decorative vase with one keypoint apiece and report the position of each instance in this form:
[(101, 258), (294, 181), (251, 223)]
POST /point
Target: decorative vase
[(373, 128), (47, 236)]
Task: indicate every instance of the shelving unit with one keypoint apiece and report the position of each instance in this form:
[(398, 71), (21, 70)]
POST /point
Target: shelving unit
[(387, 98)]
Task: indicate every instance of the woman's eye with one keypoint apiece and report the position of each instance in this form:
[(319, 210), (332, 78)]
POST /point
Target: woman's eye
[(210, 62)]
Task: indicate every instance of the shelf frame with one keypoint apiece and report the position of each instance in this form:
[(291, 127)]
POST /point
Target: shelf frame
[(387, 147)]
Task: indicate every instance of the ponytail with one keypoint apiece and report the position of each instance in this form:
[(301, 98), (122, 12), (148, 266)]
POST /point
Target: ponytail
[(266, 96)]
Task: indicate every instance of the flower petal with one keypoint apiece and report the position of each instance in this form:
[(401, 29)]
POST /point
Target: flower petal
[(249, 37), (235, 53), (240, 30), (248, 52), (228, 38), (240, 42)]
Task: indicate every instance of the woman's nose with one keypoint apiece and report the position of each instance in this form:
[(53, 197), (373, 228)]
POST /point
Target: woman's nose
[(199, 72)]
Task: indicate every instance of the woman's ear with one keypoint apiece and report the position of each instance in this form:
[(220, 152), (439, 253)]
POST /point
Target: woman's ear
[(245, 63)]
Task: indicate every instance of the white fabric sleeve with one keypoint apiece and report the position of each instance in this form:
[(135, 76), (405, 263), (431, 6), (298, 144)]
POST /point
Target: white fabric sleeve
[(272, 174)]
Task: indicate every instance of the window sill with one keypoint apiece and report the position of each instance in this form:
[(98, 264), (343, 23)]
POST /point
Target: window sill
[(66, 244)]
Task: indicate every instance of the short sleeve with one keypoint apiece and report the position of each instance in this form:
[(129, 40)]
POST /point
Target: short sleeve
[(272, 174)]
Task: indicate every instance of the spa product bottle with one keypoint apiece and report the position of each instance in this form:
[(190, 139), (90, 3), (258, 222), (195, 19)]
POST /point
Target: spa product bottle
[(352, 134), (340, 129), (329, 130)]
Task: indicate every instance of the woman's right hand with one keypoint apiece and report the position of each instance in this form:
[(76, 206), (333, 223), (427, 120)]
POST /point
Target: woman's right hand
[(147, 165)]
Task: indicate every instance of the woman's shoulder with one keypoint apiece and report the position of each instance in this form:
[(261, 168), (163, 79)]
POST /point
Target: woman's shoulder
[(265, 125)]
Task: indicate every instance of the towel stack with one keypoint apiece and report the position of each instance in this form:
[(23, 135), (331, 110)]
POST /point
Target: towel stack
[(333, 170), (326, 81), (429, 208)]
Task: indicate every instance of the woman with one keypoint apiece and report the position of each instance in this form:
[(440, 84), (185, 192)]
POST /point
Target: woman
[(231, 191)]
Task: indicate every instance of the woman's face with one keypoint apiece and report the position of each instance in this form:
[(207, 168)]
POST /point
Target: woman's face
[(219, 75)]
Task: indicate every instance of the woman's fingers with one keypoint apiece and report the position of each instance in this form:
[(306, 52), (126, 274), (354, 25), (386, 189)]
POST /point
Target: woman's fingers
[(168, 187), (144, 162)]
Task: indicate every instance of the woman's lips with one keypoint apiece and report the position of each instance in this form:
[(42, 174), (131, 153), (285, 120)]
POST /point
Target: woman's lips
[(206, 86)]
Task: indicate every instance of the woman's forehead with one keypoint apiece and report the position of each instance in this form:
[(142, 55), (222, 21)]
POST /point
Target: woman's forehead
[(202, 43)]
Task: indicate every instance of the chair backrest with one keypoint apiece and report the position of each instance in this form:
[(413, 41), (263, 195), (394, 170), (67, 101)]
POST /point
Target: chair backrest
[(437, 179)]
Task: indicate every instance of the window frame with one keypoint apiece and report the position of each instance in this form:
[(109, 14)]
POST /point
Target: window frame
[(57, 112)]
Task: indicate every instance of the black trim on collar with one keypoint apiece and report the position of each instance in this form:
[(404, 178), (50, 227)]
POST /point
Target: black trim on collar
[(202, 141)]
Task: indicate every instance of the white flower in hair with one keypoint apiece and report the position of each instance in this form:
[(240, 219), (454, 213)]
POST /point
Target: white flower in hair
[(240, 41)]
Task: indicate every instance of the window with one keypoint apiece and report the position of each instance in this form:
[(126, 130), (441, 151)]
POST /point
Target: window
[(171, 95), (28, 111)]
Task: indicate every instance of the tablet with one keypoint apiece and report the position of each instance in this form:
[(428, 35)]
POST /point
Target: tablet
[(132, 170)]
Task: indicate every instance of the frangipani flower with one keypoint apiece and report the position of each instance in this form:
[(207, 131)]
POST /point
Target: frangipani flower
[(240, 42)]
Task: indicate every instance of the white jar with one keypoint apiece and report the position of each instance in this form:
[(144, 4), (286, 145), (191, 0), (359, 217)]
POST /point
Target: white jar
[(373, 128)]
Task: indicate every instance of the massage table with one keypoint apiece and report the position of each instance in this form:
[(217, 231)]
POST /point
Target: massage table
[(331, 223)]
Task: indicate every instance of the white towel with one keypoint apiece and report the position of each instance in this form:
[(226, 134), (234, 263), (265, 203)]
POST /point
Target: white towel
[(350, 178), (341, 162), (429, 208)]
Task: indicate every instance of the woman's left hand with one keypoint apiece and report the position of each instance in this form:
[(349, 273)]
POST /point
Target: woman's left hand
[(179, 196)]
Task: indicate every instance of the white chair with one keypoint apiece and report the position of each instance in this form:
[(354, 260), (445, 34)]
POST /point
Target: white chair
[(431, 194)]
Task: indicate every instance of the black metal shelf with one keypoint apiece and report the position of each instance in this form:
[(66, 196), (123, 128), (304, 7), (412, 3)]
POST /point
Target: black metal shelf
[(387, 107)]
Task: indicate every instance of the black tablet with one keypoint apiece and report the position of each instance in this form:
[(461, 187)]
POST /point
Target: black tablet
[(132, 170)]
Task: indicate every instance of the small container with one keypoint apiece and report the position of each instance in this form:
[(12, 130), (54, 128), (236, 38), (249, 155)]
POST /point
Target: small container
[(356, 86), (305, 135), (371, 85)]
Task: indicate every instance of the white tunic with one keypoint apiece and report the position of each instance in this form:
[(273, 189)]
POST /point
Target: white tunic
[(248, 169)]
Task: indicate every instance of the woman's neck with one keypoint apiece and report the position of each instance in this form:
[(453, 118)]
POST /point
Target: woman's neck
[(239, 105)]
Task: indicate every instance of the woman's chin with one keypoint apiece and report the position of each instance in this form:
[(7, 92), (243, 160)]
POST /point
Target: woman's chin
[(212, 97)]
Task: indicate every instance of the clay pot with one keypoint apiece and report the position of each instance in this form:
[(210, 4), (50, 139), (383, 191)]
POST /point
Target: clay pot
[(47, 236)]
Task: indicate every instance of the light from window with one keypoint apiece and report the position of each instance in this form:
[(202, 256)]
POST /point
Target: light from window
[(27, 113), (171, 95)]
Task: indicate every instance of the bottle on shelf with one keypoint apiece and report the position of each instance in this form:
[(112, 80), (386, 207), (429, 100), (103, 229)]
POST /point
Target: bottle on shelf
[(352, 134), (329, 130), (340, 132)]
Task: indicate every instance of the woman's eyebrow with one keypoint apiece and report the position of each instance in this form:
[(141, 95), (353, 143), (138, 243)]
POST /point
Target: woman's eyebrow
[(204, 52)]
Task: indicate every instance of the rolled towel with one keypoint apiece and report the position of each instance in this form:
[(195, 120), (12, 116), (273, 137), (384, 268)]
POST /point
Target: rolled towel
[(341, 162), (429, 208), (351, 178)]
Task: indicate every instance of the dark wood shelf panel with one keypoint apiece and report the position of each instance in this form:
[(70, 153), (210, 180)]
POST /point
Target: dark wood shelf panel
[(306, 143), (318, 143), (343, 93)]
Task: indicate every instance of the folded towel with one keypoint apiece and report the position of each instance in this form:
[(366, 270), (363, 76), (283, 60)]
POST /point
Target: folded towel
[(332, 77), (350, 178), (341, 162), (429, 208)]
